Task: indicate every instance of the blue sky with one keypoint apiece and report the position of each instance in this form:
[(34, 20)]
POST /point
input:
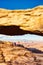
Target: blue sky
[(20, 4)]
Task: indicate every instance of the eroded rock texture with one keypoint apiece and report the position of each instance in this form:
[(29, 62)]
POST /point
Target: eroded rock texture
[(17, 54)]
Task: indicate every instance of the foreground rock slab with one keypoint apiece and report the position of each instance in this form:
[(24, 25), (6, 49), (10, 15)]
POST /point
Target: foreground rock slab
[(17, 54)]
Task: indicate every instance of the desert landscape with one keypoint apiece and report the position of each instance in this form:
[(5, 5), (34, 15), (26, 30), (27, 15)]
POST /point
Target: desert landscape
[(21, 25), (21, 53)]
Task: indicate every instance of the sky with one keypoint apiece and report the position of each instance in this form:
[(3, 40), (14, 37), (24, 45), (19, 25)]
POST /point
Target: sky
[(25, 38), (20, 4)]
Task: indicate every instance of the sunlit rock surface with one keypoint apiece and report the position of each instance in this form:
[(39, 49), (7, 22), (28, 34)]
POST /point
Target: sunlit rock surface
[(18, 22), (17, 53)]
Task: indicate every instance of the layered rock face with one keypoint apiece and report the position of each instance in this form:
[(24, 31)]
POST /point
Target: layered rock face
[(18, 54), (27, 19)]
